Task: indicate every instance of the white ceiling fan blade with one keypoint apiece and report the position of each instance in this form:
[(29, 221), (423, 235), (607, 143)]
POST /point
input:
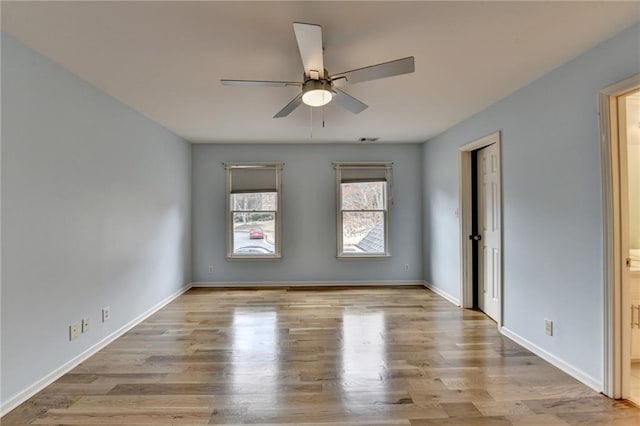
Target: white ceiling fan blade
[(309, 37), (349, 102), (288, 109), (260, 83), (374, 72)]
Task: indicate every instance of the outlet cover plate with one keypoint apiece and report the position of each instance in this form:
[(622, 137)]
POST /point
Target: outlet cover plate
[(85, 325), (74, 331)]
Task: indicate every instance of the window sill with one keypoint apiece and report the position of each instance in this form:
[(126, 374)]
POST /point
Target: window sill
[(363, 256), (254, 258)]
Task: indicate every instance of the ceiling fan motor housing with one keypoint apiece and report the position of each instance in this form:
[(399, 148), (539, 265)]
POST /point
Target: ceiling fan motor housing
[(316, 85)]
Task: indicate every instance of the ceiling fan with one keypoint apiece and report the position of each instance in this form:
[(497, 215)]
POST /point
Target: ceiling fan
[(319, 87)]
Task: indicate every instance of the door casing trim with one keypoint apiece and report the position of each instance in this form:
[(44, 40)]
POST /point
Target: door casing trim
[(613, 356)]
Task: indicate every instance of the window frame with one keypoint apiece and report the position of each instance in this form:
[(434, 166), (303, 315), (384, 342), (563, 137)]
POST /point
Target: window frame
[(388, 171), (277, 255)]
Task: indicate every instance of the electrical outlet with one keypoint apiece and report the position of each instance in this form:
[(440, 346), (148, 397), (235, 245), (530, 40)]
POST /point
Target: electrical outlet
[(106, 314), (406, 267), (211, 269), (548, 327), (74, 331), (85, 325)]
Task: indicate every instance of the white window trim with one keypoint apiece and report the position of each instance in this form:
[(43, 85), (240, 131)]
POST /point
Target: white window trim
[(339, 166), (278, 214)]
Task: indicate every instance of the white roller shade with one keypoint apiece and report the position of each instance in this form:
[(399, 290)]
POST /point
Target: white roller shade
[(254, 179), (364, 173)]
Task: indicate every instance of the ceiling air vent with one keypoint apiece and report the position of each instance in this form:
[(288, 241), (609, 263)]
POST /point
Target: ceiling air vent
[(368, 139)]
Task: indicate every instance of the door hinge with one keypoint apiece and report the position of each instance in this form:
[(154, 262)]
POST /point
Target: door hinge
[(635, 318), (628, 262), (475, 237)]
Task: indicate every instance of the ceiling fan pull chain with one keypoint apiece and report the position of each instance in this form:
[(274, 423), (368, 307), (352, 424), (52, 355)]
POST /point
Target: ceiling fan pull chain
[(310, 123), (323, 117)]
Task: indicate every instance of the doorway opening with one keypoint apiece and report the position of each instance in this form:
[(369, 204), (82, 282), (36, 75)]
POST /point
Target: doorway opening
[(474, 229), (481, 226), (620, 146)]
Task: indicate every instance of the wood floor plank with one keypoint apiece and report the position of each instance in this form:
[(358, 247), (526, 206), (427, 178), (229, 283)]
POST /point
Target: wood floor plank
[(318, 356), (537, 420), (503, 408)]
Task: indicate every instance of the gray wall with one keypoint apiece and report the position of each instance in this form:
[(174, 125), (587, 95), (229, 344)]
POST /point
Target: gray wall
[(552, 202), (95, 212), (309, 214)]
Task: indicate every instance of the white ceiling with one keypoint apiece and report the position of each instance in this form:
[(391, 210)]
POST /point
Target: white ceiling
[(165, 59)]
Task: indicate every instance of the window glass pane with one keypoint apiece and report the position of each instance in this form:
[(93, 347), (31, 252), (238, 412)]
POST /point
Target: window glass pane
[(254, 233), (255, 201), (364, 196), (363, 232)]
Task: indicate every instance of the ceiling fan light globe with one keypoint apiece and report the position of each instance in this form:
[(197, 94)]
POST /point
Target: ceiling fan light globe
[(317, 97)]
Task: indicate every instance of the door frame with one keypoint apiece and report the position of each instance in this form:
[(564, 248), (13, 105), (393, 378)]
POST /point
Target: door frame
[(614, 315), (465, 204)]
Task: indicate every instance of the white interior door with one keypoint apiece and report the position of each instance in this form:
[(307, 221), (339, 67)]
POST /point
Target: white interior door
[(489, 231), (629, 133)]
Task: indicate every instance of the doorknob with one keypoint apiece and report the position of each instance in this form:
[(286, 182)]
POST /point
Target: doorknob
[(475, 237)]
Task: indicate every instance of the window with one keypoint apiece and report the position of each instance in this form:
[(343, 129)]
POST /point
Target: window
[(253, 211), (363, 191)]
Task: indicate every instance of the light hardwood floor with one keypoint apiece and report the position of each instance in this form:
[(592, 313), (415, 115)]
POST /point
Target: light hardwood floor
[(378, 356)]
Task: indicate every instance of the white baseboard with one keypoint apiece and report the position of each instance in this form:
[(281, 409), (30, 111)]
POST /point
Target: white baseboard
[(36, 387), (236, 284), (574, 372), (441, 293)]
